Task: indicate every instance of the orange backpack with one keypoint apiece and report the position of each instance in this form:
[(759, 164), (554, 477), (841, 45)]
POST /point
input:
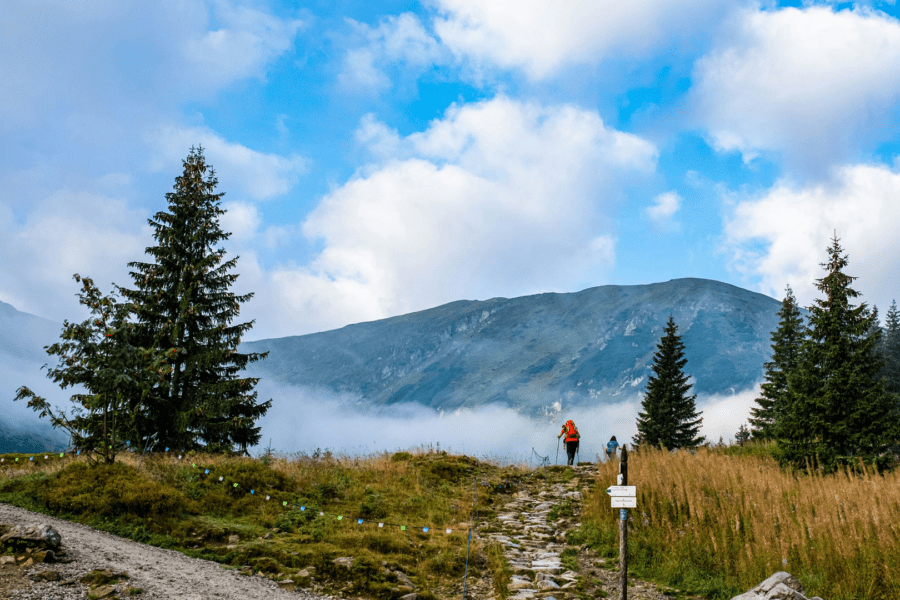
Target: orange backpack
[(571, 432)]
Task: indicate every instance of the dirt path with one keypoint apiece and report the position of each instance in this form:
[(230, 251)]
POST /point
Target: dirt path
[(161, 574), (535, 545)]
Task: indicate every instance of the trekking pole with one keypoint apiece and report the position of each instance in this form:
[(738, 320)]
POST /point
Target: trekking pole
[(557, 450)]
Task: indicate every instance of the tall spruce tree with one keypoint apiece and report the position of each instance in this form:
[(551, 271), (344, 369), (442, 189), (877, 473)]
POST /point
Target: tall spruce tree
[(838, 408), (669, 416), (786, 347), (891, 349), (183, 302)]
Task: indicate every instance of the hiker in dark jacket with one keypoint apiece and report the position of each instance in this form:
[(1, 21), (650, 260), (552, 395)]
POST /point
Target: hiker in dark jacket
[(572, 437), (611, 447)]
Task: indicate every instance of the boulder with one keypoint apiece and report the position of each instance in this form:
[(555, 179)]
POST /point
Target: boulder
[(547, 584), (780, 586), (344, 561), (286, 584), (104, 591), (46, 576), (404, 579), (43, 535), (44, 556)]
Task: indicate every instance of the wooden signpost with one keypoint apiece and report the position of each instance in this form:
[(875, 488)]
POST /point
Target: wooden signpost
[(623, 496)]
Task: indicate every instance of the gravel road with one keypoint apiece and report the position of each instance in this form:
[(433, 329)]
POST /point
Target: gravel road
[(162, 574)]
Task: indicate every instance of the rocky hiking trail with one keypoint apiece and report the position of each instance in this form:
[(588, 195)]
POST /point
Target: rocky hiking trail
[(532, 529)]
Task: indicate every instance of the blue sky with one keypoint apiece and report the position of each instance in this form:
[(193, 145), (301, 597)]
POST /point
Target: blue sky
[(384, 157)]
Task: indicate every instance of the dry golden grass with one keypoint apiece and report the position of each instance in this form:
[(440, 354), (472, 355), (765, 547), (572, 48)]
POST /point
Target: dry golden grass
[(734, 520)]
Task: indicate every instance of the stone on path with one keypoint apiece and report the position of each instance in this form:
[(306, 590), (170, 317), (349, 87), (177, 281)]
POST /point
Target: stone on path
[(44, 535), (780, 586)]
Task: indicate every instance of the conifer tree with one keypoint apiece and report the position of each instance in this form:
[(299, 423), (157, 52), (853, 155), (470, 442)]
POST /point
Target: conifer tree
[(786, 346), (891, 349), (669, 416), (838, 408), (100, 356), (183, 302)]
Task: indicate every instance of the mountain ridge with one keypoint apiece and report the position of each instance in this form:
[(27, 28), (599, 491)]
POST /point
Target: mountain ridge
[(522, 352)]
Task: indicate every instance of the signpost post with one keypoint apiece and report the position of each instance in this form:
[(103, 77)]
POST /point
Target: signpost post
[(623, 496)]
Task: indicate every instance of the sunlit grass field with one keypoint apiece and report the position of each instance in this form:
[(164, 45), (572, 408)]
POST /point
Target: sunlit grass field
[(713, 524), (175, 504), (719, 522)]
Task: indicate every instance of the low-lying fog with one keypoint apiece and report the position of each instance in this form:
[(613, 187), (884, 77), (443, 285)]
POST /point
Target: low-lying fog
[(303, 420)]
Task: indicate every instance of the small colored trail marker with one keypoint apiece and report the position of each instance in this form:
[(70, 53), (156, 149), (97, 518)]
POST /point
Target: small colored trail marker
[(340, 517), (448, 531), (284, 503), (359, 521), (403, 528), (235, 485), (425, 529), (381, 524), (302, 508), (267, 497)]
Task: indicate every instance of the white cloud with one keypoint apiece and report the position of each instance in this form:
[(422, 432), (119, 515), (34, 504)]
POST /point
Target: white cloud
[(257, 174), (396, 39), (241, 220), (113, 59), (781, 238), (500, 197), (543, 37), (811, 84), (247, 42), (662, 210), (67, 233)]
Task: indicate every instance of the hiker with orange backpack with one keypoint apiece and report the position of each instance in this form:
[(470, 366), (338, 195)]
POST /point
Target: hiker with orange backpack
[(572, 437)]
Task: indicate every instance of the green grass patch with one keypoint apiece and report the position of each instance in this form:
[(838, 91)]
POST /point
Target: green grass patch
[(173, 504)]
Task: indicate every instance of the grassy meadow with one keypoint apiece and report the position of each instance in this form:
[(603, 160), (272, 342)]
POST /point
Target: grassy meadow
[(711, 525), (170, 503), (719, 522)]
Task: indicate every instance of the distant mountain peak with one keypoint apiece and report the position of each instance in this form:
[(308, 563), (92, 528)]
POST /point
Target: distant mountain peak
[(529, 351)]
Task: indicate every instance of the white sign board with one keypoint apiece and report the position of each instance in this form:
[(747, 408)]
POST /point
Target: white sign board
[(622, 490), (623, 502)]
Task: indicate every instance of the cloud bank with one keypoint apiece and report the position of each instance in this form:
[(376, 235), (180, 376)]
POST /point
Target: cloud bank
[(303, 420), (782, 236), (497, 197), (542, 38), (813, 85)]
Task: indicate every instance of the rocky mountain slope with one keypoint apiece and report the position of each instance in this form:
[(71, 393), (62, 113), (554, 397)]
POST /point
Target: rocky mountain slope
[(581, 347)]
